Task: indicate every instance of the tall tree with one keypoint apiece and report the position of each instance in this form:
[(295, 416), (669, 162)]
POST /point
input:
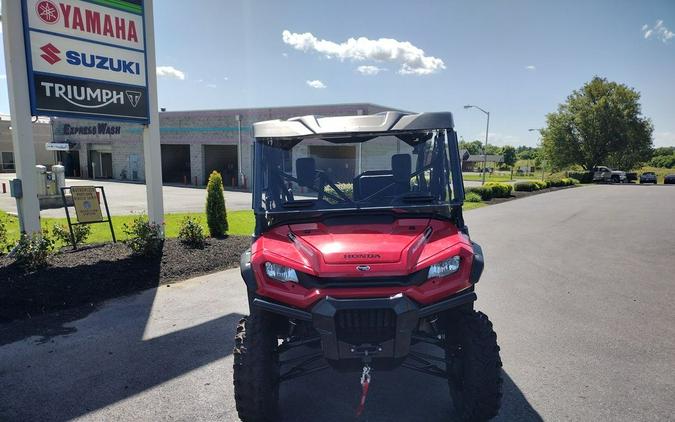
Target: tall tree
[(601, 123)]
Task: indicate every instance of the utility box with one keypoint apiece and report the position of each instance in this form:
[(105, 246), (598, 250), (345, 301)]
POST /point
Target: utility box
[(59, 175), (41, 180)]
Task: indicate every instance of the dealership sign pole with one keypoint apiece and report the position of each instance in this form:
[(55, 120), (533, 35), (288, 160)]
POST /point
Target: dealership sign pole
[(151, 148), (84, 59), (27, 203)]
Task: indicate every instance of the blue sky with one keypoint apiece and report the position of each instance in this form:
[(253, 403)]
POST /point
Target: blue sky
[(517, 59)]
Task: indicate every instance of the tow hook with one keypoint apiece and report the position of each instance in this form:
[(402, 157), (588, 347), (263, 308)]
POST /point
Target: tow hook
[(365, 384)]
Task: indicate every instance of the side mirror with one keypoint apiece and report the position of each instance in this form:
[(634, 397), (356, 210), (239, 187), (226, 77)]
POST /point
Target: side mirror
[(400, 167)]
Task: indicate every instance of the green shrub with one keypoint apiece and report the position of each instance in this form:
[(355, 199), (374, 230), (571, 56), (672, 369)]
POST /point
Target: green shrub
[(191, 233), (541, 184), (216, 214), (143, 237), (472, 197), (526, 186), (500, 190), (573, 181), (555, 182), (485, 192), (581, 176), (664, 161), (346, 188), (32, 250), (62, 234)]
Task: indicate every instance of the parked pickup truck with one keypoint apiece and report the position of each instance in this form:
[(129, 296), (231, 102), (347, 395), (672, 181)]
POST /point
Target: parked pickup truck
[(605, 174)]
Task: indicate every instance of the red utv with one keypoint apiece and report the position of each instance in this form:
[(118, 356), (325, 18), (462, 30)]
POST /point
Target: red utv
[(360, 254)]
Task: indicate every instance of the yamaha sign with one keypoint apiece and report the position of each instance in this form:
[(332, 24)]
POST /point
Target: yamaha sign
[(87, 59)]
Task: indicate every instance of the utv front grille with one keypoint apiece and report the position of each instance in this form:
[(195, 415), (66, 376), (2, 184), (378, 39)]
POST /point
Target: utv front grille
[(358, 326), (414, 279)]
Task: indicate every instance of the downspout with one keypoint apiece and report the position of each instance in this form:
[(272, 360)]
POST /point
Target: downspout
[(239, 152)]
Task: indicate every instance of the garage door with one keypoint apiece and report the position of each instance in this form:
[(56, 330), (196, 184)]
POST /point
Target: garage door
[(223, 159), (176, 163)]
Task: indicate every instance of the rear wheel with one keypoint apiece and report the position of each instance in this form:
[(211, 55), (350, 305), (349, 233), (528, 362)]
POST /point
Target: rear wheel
[(256, 370), (474, 371)]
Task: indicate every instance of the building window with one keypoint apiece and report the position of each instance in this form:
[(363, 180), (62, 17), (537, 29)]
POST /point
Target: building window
[(7, 161), (288, 161)]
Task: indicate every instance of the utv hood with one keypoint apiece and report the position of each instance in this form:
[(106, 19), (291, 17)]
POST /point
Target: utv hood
[(361, 243)]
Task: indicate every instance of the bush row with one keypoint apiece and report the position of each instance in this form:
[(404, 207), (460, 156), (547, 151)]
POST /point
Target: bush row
[(581, 176), (534, 185), (490, 190)]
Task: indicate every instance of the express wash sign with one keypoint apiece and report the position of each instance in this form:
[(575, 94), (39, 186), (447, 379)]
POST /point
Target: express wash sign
[(87, 58)]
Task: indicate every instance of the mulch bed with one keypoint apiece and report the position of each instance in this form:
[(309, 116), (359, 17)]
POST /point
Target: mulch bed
[(519, 194), (95, 273)]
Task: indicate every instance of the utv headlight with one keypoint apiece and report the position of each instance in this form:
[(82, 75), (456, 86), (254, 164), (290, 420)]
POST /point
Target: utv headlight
[(279, 272), (444, 268)]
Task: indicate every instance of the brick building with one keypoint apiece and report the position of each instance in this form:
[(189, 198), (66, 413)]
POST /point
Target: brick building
[(193, 143)]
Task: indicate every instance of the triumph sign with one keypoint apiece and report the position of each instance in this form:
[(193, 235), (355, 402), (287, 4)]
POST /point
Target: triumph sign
[(86, 59)]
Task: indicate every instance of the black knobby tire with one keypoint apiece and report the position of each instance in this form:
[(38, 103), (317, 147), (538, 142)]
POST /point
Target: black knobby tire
[(256, 369), (474, 371)]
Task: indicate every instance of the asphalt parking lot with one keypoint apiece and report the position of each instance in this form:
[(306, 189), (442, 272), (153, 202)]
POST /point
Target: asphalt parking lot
[(579, 285)]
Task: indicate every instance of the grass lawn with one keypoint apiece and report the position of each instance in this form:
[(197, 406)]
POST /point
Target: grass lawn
[(241, 223)]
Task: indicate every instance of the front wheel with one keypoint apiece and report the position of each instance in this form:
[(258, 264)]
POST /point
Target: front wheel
[(474, 366), (256, 369)]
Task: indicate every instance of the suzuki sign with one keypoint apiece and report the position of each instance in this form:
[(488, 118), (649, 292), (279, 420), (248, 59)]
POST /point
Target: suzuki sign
[(86, 59)]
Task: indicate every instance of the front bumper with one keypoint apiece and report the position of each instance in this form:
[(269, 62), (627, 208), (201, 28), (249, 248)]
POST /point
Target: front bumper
[(379, 327)]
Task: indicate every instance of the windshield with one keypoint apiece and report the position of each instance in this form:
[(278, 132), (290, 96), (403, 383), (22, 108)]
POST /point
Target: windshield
[(403, 170)]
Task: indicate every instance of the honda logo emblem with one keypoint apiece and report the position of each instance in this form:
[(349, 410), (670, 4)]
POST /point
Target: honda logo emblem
[(363, 267)]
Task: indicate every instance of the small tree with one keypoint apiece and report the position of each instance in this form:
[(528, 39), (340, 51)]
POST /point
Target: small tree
[(216, 214), (509, 154)]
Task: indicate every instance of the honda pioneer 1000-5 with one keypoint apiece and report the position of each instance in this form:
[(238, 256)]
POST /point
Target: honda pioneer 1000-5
[(360, 256)]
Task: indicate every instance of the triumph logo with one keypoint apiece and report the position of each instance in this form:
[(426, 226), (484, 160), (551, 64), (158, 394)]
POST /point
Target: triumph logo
[(134, 97), (50, 53), (82, 96)]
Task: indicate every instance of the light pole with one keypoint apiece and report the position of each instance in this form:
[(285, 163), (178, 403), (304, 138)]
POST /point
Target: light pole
[(542, 160), (487, 128)]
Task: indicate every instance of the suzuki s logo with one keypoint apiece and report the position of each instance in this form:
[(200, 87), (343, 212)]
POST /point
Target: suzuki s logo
[(47, 11), (363, 267), (51, 53)]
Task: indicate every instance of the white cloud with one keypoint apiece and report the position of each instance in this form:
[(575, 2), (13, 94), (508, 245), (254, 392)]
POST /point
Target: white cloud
[(225, 78), (660, 30), (211, 85), (369, 70), (170, 72), (412, 59), (284, 54), (3, 76), (316, 84), (531, 67)]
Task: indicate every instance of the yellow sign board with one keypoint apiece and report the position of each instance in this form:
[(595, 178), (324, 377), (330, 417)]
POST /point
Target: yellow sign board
[(87, 208)]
